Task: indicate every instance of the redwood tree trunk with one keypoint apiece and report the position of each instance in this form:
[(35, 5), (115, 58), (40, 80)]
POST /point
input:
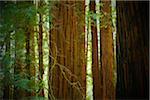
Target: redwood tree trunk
[(67, 46), (103, 85), (97, 94), (132, 50), (107, 54), (30, 55), (7, 85)]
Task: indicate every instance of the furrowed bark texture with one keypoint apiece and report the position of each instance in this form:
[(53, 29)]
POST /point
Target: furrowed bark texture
[(103, 84), (66, 41), (107, 53), (132, 50)]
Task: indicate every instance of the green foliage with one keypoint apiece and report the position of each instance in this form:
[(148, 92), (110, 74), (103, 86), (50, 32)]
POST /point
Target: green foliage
[(24, 83), (16, 18), (7, 63)]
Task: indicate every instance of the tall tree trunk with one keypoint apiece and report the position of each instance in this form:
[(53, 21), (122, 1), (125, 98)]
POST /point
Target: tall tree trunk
[(30, 56), (66, 38), (28, 61), (132, 50), (40, 48), (41, 67), (107, 53), (53, 74), (78, 48), (7, 85), (97, 94)]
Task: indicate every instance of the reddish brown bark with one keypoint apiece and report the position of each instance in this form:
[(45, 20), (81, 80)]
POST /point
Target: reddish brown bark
[(70, 43), (132, 50), (107, 54), (30, 56), (95, 64), (103, 85)]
